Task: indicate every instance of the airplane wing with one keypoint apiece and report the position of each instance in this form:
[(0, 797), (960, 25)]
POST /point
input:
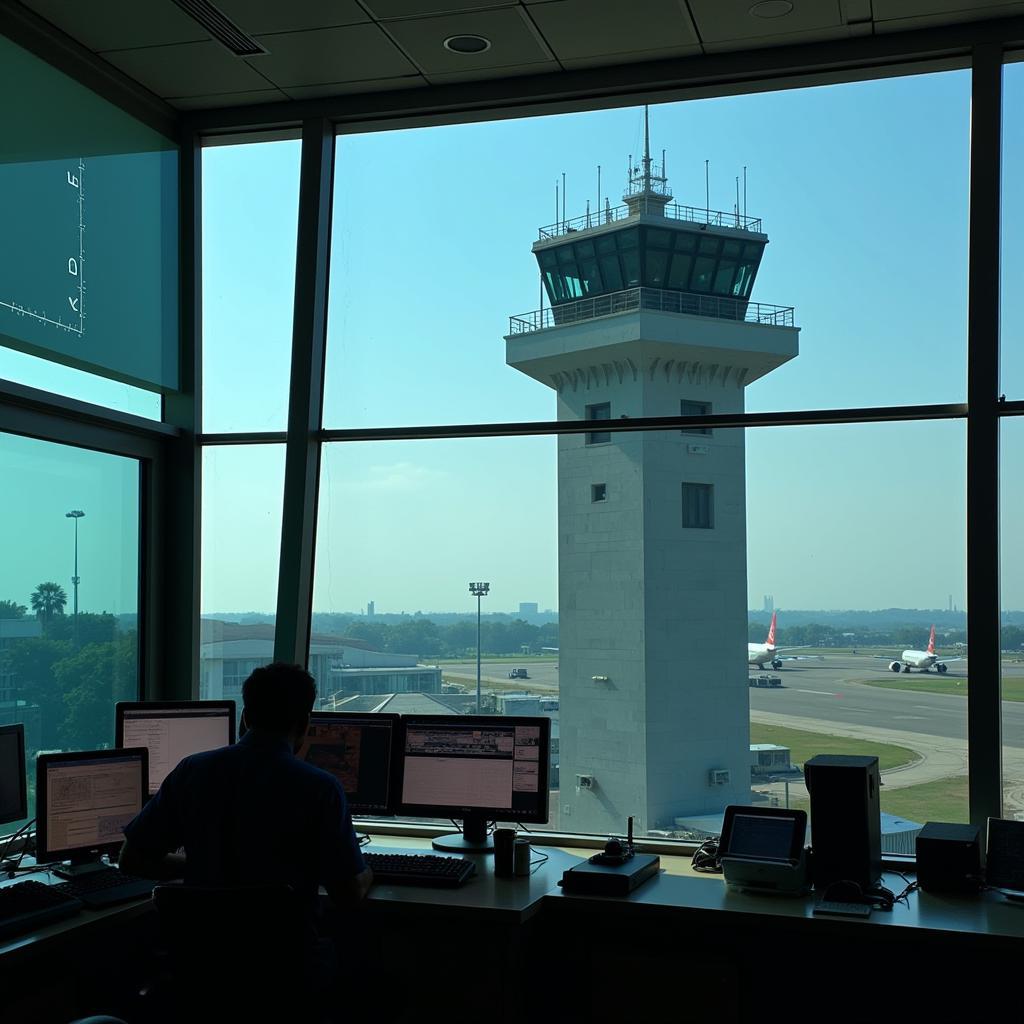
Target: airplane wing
[(798, 657), (947, 661)]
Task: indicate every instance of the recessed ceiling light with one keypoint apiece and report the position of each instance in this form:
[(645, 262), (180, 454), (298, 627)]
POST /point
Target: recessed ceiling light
[(467, 44), (771, 9)]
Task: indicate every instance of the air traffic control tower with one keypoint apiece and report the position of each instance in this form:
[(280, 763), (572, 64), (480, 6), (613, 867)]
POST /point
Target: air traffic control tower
[(650, 315)]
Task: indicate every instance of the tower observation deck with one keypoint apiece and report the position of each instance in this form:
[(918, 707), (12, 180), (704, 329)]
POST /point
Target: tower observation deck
[(651, 315)]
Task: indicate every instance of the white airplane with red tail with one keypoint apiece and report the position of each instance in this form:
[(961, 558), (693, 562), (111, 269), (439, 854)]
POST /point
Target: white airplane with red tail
[(923, 661), (768, 653)]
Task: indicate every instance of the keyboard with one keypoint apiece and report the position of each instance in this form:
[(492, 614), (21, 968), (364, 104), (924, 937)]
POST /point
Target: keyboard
[(26, 906), (842, 909), (105, 888), (419, 869)]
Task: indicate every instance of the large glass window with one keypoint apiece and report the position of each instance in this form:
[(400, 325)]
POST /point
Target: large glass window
[(243, 487), (1011, 317), (69, 603), (855, 568), (842, 249), (1011, 542), (250, 220)]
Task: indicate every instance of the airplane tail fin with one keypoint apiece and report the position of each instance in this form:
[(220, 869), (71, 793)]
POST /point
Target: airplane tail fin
[(771, 632), (931, 641)]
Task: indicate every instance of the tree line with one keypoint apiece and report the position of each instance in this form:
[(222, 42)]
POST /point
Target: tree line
[(74, 672), (426, 639)]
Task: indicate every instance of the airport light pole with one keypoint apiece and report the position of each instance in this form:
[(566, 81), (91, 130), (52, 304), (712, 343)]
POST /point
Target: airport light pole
[(75, 514), (478, 590)]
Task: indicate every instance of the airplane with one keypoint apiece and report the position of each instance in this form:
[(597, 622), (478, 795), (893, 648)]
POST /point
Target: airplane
[(760, 654), (922, 660)]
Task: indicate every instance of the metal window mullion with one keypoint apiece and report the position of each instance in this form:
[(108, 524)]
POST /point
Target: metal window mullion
[(984, 721), (174, 489), (305, 400)]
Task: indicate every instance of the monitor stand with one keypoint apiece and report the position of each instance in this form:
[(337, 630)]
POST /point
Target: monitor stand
[(472, 839), (86, 864)]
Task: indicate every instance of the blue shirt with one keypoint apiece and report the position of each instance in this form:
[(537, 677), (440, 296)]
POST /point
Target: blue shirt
[(251, 814)]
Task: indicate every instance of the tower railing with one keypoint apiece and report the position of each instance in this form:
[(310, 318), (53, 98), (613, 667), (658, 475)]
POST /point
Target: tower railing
[(656, 299), (673, 211)]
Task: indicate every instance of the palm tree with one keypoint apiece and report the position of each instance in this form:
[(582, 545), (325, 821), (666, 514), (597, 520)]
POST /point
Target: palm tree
[(48, 599)]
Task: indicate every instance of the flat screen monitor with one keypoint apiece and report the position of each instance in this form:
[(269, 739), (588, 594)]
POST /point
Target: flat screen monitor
[(763, 833), (171, 730), (477, 768), (84, 799), (1004, 857), (13, 791), (361, 752)]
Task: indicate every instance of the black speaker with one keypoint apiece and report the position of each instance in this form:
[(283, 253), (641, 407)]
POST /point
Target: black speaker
[(949, 857), (846, 823)]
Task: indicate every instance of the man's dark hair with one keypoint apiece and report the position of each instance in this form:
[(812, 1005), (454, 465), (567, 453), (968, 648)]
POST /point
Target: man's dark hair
[(278, 697)]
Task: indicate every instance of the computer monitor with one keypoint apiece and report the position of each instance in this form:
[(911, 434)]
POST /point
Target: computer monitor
[(763, 833), (83, 801), (171, 730), (1004, 857), (361, 751), (13, 791), (476, 768)]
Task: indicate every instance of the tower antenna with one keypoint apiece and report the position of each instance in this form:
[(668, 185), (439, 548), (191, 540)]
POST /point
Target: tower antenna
[(707, 192), (563, 197), (737, 200), (598, 193), (647, 149)]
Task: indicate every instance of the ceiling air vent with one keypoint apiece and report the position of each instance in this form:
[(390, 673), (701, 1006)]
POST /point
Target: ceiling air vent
[(221, 27)]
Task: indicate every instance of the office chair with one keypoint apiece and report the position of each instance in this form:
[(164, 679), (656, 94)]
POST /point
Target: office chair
[(237, 953)]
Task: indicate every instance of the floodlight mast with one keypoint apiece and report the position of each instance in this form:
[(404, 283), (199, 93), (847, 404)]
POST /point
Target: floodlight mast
[(478, 590)]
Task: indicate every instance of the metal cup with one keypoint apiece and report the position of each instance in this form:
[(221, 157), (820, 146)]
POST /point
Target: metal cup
[(504, 841), (521, 857)]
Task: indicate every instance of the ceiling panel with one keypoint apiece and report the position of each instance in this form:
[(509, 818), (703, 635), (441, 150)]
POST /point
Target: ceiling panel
[(420, 8), (120, 24), (513, 42), (187, 69), (255, 16), (720, 21), (577, 29), (886, 10), (345, 54), (315, 92), (482, 74), (228, 99), (900, 15)]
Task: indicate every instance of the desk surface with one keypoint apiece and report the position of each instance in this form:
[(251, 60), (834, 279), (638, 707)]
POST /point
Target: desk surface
[(986, 914), (514, 901)]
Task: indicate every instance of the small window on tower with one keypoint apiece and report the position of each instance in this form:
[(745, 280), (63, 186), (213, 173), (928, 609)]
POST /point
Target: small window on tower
[(695, 409), (601, 411), (698, 506), (598, 492)]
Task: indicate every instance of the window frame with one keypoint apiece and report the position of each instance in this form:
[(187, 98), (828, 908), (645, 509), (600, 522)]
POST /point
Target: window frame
[(170, 451)]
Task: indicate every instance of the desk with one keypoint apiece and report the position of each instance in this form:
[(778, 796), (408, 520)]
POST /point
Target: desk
[(694, 943), (679, 946)]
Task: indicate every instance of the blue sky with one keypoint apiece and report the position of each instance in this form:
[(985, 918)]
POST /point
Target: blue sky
[(863, 192)]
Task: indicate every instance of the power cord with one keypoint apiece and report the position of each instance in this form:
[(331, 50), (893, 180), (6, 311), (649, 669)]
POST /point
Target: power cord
[(706, 857), (7, 866)]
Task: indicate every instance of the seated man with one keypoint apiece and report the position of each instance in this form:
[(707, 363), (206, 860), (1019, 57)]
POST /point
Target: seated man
[(253, 813)]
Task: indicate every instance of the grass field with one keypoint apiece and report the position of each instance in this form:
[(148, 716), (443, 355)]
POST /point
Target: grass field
[(1013, 687), (804, 745), (942, 800)]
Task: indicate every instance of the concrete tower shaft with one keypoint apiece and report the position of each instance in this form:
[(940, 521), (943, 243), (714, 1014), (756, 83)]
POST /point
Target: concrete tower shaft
[(651, 316)]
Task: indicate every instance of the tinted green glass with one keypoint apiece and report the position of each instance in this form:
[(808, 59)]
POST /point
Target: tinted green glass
[(686, 241), (627, 239), (655, 268), (724, 277), (679, 275), (631, 268), (659, 237), (611, 272), (709, 244), (62, 672), (702, 272), (88, 204), (606, 243)]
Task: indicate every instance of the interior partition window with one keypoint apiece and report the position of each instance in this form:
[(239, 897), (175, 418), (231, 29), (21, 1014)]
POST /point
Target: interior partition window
[(69, 607)]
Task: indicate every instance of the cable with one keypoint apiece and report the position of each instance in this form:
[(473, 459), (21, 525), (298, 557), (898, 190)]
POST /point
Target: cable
[(10, 842), (706, 857)]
